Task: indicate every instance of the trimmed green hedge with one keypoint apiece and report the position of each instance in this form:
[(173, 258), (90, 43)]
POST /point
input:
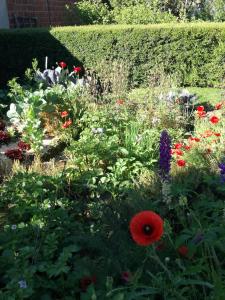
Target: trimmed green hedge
[(196, 51)]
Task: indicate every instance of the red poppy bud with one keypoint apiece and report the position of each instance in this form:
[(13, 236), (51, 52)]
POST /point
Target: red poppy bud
[(86, 281), (120, 102), (183, 250)]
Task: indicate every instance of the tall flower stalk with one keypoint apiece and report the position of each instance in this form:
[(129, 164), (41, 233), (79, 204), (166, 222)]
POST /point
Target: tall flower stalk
[(165, 155)]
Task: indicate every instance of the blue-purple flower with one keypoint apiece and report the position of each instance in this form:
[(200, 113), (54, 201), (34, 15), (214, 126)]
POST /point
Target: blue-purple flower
[(165, 155), (222, 172)]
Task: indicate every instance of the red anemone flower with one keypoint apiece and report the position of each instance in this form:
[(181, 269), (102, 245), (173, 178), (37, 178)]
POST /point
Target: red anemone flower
[(14, 154), (181, 163), (187, 147), (183, 250), (146, 227), (86, 281), (200, 108), (77, 69), (23, 146), (214, 119), (67, 124), (62, 64), (64, 114)]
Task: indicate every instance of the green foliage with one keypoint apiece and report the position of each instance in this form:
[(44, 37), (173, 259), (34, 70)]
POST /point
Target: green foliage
[(195, 52), (141, 14), (89, 12)]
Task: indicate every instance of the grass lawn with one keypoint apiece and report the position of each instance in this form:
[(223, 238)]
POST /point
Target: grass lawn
[(210, 95)]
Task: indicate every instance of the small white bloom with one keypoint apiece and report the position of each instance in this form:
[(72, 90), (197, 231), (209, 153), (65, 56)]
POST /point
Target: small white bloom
[(13, 227), (155, 120), (94, 130), (22, 284), (167, 259), (100, 130)]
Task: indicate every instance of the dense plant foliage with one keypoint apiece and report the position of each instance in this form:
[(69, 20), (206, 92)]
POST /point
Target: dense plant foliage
[(195, 52), (144, 11), (135, 210)]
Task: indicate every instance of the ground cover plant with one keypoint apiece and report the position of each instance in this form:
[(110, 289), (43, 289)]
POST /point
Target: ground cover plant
[(133, 208)]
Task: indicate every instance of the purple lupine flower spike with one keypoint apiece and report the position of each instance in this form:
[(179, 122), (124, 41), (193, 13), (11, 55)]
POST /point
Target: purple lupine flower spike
[(165, 155), (222, 172)]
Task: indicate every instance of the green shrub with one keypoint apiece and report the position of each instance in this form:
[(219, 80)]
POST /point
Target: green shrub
[(141, 14), (193, 51), (88, 12)]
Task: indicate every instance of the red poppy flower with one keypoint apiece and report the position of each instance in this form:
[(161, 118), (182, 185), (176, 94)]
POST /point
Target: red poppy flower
[(14, 154), (64, 114), (62, 64), (197, 139), (218, 105), (187, 148), (179, 152), (86, 281), (126, 276), (181, 163), (77, 69), (183, 250), (201, 114), (67, 124), (120, 102), (23, 146), (146, 227), (178, 145), (214, 119), (200, 108), (217, 134)]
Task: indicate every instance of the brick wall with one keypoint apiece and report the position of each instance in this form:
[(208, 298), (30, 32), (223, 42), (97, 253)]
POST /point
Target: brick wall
[(40, 13)]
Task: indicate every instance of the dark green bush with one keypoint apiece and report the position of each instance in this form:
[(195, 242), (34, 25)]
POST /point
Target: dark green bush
[(193, 51)]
